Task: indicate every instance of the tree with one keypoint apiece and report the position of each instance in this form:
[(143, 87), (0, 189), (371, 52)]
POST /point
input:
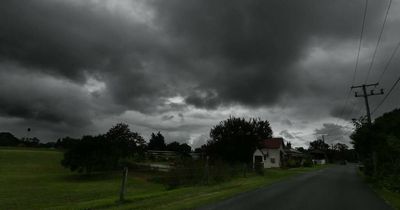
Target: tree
[(235, 139), (319, 145), (90, 154), (382, 140), (66, 143), (102, 152), (124, 142), (7, 139), (157, 142), (173, 146), (180, 148)]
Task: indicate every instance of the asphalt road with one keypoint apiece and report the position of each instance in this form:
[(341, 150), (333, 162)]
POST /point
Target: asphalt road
[(337, 187)]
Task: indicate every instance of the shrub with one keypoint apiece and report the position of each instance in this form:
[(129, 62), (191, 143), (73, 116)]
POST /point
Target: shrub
[(259, 168), (308, 163)]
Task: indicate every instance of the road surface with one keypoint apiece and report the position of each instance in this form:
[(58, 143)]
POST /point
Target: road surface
[(337, 187)]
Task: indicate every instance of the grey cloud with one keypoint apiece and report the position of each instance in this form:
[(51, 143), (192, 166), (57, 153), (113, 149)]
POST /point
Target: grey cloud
[(37, 97), (334, 133), (255, 43), (167, 117), (286, 134), (212, 53)]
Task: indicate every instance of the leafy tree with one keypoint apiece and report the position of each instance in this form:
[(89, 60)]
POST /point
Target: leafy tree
[(235, 139), (157, 142), (319, 145), (7, 139), (90, 154), (180, 148), (185, 148), (381, 138), (124, 142), (173, 146), (66, 143), (102, 152)]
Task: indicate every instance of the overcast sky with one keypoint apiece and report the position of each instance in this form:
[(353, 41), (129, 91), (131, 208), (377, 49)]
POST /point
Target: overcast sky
[(70, 67)]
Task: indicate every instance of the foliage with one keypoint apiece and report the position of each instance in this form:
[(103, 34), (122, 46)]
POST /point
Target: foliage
[(259, 168), (188, 172), (293, 163), (7, 139), (103, 152), (382, 140), (183, 149), (66, 143), (308, 162), (157, 142), (319, 145), (235, 139)]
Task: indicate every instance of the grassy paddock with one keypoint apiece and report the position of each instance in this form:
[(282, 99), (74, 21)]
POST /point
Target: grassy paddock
[(34, 179)]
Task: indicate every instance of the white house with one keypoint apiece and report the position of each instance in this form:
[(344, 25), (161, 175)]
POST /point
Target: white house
[(270, 154)]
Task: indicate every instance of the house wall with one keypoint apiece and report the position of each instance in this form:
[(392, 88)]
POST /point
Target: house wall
[(271, 157)]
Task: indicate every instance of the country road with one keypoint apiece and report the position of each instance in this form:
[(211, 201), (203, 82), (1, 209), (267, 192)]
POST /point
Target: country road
[(336, 188)]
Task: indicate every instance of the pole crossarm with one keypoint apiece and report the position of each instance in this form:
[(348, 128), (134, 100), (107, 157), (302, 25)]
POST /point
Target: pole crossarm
[(366, 85), (366, 94)]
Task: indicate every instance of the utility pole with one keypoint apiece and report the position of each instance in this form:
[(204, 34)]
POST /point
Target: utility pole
[(365, 95)]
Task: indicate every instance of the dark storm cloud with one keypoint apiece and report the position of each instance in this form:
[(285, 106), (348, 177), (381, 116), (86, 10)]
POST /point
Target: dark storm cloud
[(230, 52), (75, 40), (213, 54), (42, 98), (255, 43)]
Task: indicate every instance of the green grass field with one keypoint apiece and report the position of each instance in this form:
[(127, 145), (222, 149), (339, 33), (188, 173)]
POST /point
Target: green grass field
[(34, 179)]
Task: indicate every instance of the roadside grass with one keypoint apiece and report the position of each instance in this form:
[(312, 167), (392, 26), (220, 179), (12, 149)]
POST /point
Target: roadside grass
[(392, 198), (34, 179)]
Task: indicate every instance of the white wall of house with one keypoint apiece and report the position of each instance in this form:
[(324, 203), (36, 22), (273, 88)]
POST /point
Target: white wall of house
[(271, 158)]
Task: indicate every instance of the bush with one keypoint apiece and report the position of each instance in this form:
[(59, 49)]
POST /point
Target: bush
[(259, 168), (196, 172), (292, 163), (308, 163)]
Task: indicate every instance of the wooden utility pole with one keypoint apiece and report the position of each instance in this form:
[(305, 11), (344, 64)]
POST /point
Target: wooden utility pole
[(365, 95)]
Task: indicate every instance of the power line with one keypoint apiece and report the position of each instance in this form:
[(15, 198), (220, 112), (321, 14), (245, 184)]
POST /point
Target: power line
[(383, 72), (378, 42), (386, 96), (357, 58), (360, 41), (389, 61)]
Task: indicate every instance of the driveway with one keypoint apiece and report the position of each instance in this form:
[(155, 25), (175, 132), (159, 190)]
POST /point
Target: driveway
[(338, 187)]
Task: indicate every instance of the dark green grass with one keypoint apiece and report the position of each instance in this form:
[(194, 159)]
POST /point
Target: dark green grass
[(392, 198), (34, 179)]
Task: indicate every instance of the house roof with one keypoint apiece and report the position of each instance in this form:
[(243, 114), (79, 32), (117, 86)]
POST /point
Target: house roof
[(272, 143)]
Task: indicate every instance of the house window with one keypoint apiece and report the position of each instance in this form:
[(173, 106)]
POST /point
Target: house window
[(265, 157), (272, 160)]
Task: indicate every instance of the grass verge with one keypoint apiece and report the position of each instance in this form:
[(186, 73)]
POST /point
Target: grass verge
[(392, 198), (34, 179)]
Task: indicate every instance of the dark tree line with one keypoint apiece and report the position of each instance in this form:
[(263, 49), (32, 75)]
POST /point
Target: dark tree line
[(157, 142), (111, 150), (102, 152), (9, 140), (378, 146)]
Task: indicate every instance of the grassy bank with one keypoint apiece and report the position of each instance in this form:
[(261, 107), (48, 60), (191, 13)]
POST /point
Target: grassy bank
[(392, 198), (34, 179)]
